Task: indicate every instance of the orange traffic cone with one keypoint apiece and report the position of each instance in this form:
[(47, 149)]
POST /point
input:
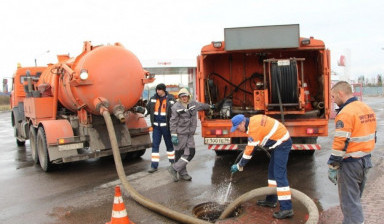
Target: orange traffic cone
[(119, 213)]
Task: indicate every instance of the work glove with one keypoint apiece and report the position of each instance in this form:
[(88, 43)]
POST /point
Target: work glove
[(332, 175), (234, 168), (139, 109), (175, 140)]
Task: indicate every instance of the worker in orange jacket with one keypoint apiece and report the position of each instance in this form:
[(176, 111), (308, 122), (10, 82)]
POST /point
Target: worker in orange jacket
[(350, 160), (267, 132)]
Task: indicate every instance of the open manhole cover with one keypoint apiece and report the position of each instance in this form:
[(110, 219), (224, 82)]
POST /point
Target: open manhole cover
[(211, 211)]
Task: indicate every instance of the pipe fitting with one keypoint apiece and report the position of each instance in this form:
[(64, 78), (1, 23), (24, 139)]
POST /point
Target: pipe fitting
[(118, 111), (101, 104), (319, 105)]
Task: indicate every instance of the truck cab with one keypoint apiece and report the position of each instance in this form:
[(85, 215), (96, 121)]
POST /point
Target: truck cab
[(18, 94)]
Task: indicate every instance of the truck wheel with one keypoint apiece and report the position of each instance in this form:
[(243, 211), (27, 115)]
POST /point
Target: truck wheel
[(16, 133), (32, 143), (308, 152), (43, 150), (135, 154), (140, 153), (20, 143), (225, 152)]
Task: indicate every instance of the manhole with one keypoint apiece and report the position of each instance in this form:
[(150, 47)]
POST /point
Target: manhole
[(211, 211)]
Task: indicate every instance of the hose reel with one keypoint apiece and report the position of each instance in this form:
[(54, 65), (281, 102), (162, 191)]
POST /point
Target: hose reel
[(283, 79)]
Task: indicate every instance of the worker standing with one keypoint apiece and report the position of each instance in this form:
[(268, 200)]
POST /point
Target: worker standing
[(183, 125), (350, 160), (159, 109), (267, 132)]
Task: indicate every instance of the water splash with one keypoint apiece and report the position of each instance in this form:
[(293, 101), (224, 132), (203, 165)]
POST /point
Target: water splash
[(228, 191)]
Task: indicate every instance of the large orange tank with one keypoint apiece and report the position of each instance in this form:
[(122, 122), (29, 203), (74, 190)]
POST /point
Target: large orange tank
[(111, 76)]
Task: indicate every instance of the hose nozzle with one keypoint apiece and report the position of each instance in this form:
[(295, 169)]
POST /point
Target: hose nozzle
[(118, 111)]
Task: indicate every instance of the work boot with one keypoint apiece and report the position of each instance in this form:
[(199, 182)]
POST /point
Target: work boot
[(266, 203), (186, 177), (173, 173), (283, 214), (152, 170)]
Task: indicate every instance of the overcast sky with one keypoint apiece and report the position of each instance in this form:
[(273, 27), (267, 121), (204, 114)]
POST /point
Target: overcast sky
[(166, 30)]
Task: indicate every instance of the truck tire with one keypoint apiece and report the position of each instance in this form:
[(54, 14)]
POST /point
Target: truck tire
[(134, 155), (42, 149), (221, 152), (32, 143), (20, 143), (140, 153), (307, 152)]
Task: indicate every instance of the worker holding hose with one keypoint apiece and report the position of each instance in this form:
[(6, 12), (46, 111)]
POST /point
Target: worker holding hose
[(159, 109), (267, 132), (350, 160), (183, 125)]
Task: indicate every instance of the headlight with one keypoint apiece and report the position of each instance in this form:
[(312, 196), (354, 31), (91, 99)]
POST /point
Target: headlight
[(83, 74), (217, 44)]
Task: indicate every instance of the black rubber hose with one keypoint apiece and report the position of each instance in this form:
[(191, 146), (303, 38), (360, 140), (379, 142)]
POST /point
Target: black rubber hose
[(280, 101), (237, 87)]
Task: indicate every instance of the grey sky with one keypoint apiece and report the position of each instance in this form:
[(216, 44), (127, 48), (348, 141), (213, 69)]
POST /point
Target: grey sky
[(165, 30)]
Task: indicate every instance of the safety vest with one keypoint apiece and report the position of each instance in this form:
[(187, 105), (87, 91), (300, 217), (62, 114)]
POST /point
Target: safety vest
[(262, 128), (160, 110), (355, 132), (163, 110)]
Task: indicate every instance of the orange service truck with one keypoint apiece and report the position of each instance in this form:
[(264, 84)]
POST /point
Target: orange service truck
[(59, 108), (267, 70)]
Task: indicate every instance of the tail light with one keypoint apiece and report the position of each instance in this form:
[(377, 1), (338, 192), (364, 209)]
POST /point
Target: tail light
[(217, 132), (312, 131)]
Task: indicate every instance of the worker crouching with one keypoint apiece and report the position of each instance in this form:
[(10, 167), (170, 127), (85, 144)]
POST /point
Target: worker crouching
[(267, 132), (183, 125)]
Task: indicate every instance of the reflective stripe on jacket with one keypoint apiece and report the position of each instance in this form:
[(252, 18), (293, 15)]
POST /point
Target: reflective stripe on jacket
[(355, 131), (261, 130), (184, 119), (151, 107)]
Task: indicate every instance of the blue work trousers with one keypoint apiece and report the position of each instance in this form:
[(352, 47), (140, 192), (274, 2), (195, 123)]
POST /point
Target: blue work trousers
[(277, 170), (157, 133)]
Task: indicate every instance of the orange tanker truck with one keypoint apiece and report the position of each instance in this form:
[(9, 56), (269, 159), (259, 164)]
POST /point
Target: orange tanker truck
[(59, 108), (267, 70)]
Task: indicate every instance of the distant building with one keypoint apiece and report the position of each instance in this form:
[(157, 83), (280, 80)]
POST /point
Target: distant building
[(173, 73)]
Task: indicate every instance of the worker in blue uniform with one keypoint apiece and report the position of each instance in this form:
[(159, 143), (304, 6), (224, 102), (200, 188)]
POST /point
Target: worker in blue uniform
[(159, 109)]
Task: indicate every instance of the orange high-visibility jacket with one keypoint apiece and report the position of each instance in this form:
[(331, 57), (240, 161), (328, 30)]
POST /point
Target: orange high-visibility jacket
[(262, 128), (355, 132)]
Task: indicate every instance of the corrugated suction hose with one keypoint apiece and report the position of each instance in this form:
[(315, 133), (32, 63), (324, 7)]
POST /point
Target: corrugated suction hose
[(180, 217), (301, 197), (177, 216)]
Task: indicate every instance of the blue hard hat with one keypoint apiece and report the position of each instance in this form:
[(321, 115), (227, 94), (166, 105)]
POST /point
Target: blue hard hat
[(236, 120)]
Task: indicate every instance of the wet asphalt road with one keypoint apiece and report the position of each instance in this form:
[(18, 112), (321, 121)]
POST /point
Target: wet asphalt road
[(82, 192)]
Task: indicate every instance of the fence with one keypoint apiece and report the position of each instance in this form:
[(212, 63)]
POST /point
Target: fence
[(371, 90)]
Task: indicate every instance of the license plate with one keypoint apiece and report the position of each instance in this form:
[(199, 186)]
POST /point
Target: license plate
[(71, 146), (217, 140)]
